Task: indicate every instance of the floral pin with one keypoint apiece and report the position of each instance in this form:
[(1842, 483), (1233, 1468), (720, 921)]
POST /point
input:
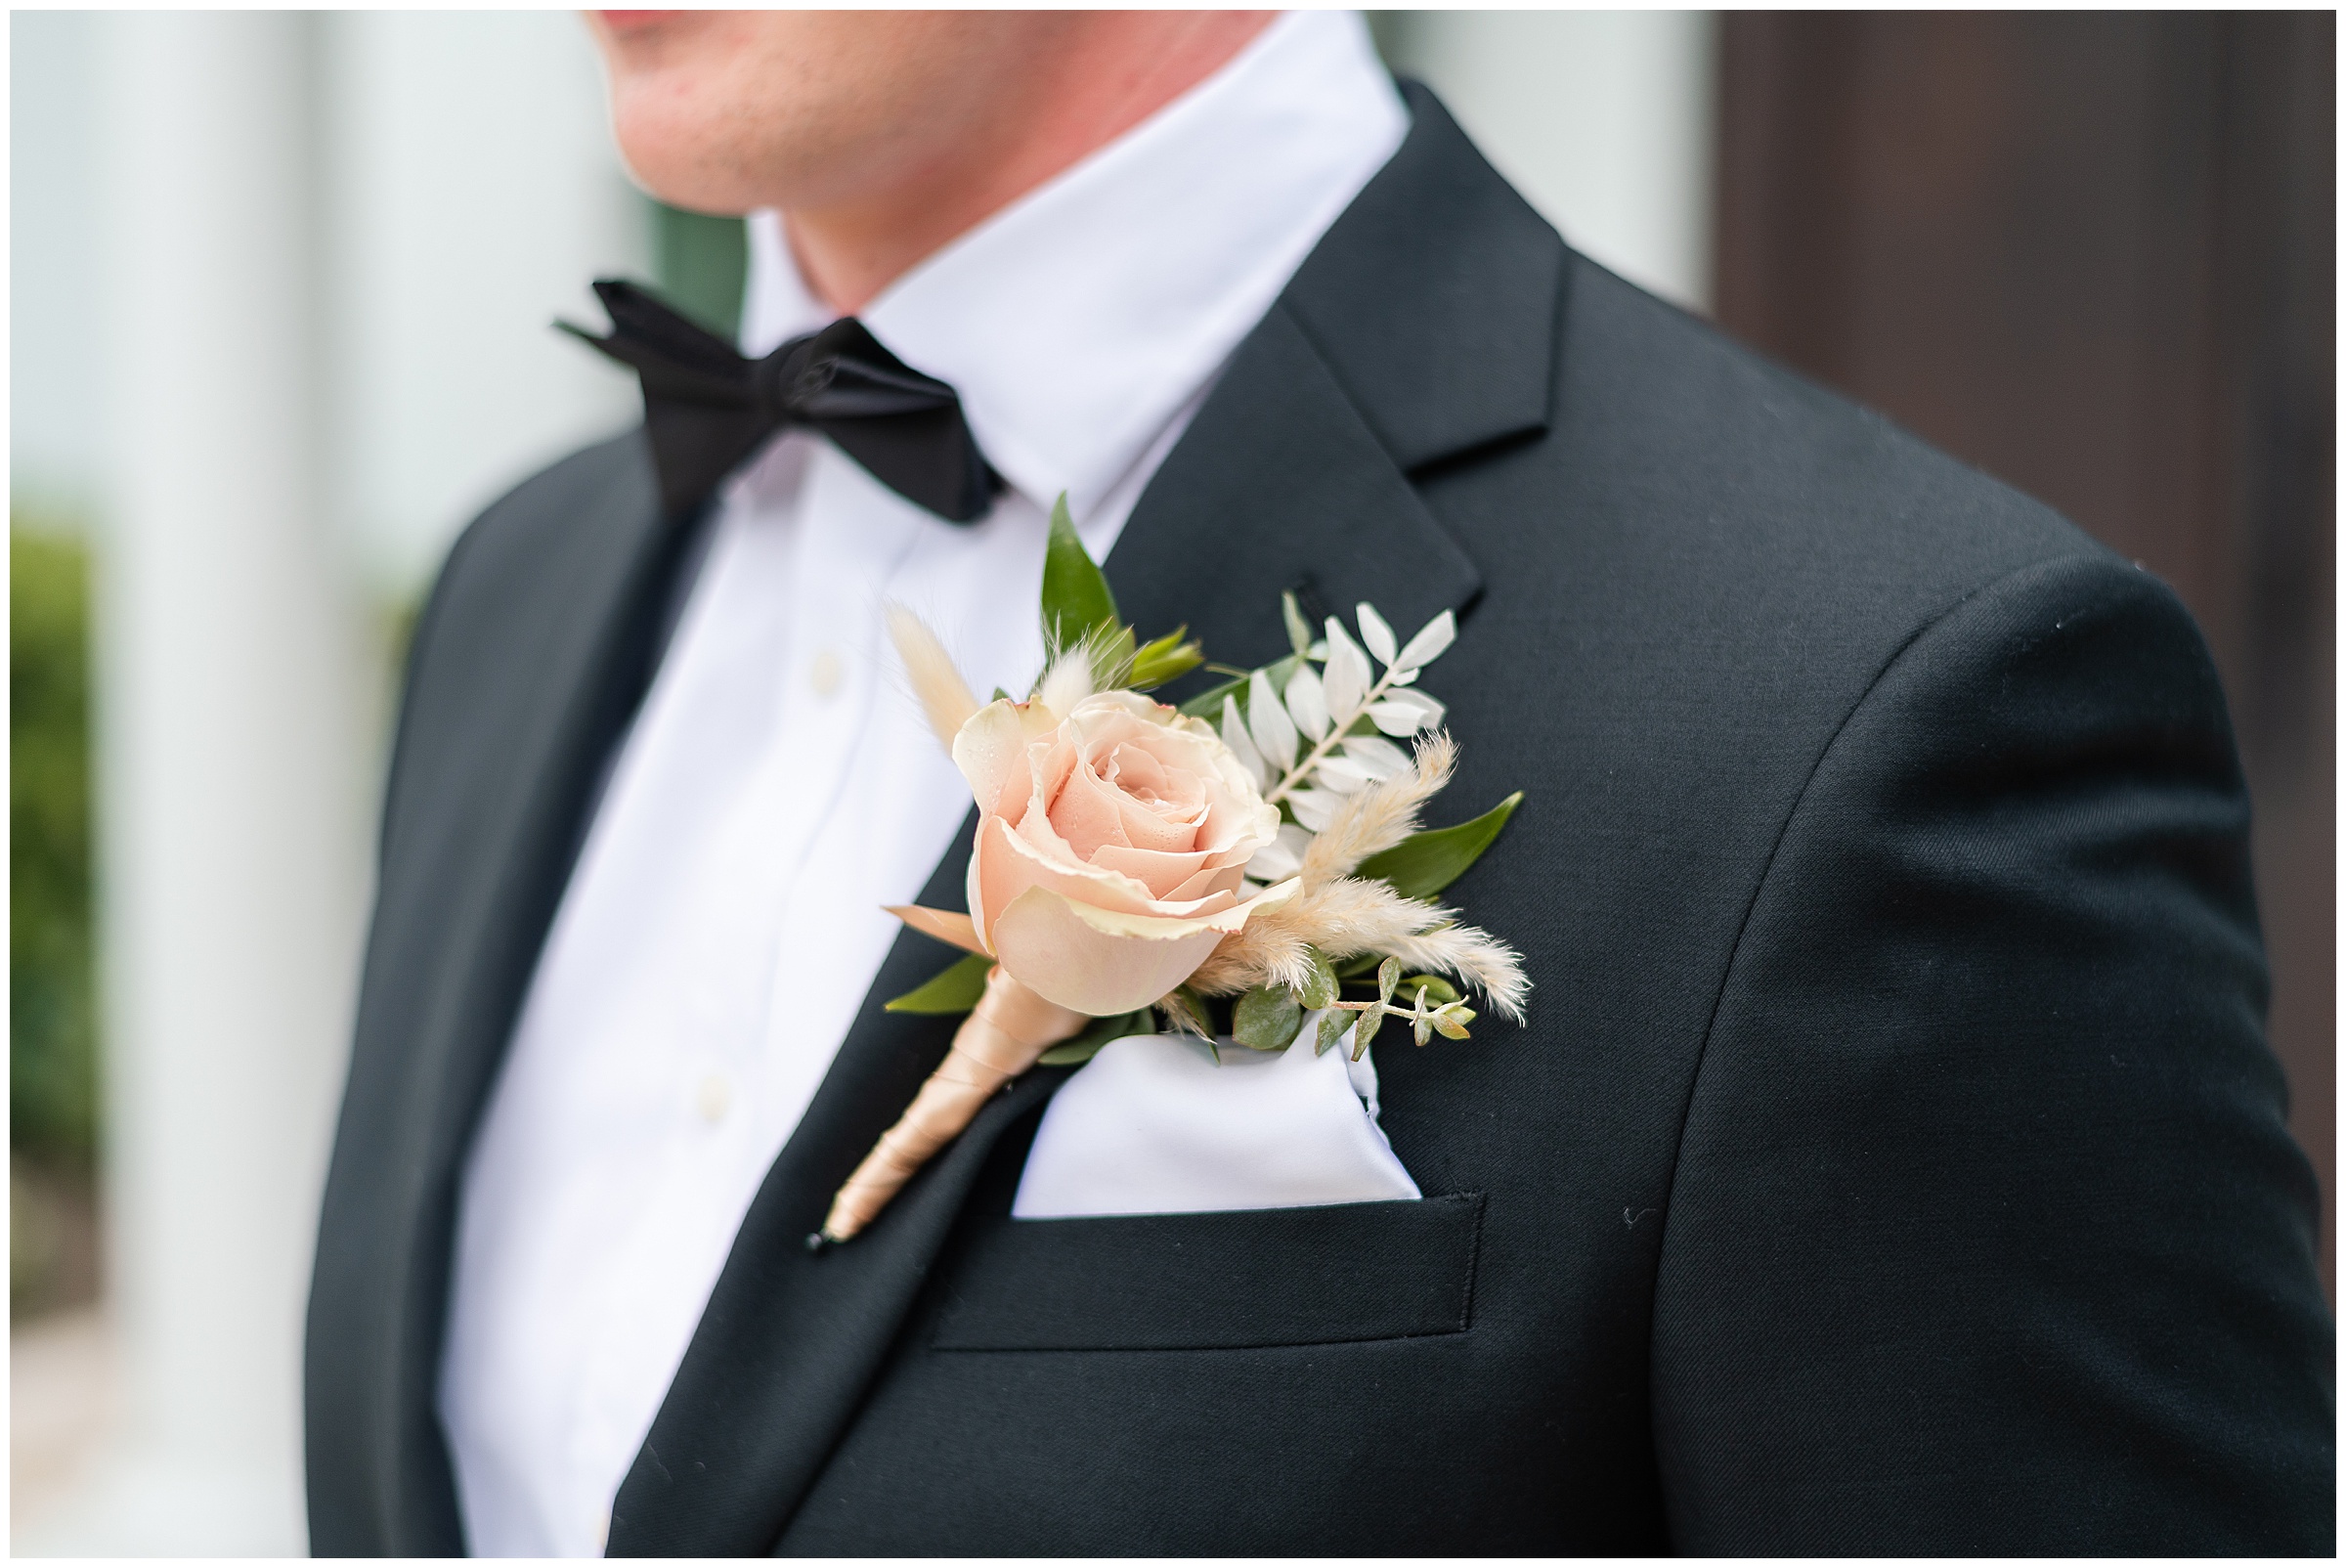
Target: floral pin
[(1247, 856)]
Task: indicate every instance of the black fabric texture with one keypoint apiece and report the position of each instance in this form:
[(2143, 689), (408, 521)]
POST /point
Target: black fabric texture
[(1186, 1281), (706, 408), (1893, 1161)]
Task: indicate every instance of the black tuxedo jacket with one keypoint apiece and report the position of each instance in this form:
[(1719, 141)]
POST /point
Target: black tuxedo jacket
[(1893, 1164)]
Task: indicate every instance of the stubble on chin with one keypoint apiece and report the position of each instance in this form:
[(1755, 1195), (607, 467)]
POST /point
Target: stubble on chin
[(731, 112)]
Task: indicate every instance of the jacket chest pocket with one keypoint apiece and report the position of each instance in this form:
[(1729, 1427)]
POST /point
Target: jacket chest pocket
[(1226, 1280)]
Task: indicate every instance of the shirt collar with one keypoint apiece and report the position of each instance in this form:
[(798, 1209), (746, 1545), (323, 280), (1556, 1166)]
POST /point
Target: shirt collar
[(1077, 322)]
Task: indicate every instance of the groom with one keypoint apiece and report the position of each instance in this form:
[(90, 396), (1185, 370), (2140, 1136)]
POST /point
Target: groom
[(1893, 1161)]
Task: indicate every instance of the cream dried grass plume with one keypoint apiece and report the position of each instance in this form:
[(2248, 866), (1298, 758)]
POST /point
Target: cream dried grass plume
[(1378, 817), (1351, 916), (1344, 916), (1070, 679), (946, 698)]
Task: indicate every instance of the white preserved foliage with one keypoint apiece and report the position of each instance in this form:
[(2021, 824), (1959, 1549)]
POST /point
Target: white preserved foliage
[(1323, 706), (1342, 774), (1378, 634), (1282, 857), (1308, 703), (1314, 808), (1348, 676), (1242, 744), (1429, 644), (1267, 717), (1404, 712), (1376, 756)]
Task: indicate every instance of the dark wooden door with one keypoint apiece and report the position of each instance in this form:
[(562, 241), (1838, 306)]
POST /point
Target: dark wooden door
[(2092, 253)]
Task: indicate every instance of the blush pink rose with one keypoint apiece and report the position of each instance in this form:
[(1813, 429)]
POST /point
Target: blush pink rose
[(1111, 843)]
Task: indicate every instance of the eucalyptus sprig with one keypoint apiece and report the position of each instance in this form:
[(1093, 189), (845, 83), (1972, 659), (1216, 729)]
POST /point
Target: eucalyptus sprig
[(1447, 1016)]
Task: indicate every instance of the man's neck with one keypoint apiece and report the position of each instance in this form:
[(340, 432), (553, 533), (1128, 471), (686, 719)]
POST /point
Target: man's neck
[(1106, 79)]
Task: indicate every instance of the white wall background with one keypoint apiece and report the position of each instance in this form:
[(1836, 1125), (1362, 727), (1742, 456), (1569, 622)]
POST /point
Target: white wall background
[(282, 286), (279, 293), (55, 453), (1604, 120), (473, 197)]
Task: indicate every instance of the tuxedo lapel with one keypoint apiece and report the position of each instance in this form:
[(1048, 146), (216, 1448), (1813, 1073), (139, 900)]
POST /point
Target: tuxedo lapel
[(1292, 474), (480, 831)]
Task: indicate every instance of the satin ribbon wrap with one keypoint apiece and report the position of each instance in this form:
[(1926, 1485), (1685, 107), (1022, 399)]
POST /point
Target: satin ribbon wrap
[(1009, 1027)]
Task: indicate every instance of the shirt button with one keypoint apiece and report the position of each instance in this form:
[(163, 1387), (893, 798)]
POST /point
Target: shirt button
[(716, 1097), (825, 673)]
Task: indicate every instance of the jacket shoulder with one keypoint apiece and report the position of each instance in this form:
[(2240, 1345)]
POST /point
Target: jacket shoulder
[(1720, 439), (506, 614), (551, 515)]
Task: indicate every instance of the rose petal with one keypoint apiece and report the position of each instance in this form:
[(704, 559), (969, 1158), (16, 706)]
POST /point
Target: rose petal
[(1010, 863), (1045, 942), (1087, 812), (1231, 917), (1122, 808), (1162, 874), (988, 746), (1103, 963), (1208, 882)]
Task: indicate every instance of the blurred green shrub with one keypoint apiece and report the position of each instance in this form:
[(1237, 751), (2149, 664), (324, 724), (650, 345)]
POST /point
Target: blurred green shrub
[(52, 1059)]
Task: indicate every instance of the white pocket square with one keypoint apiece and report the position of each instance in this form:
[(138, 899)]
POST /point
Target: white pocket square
[(1153, 1126)]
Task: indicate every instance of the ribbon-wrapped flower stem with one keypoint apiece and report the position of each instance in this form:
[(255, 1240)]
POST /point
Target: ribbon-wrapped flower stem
[(1001, 1038)]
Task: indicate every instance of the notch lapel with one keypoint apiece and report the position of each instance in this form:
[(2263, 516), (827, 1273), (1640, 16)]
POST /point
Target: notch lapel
[(1292, 474), (481, 826)]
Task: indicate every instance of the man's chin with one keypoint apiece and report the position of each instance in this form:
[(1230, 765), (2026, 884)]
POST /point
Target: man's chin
[(638, 40), (635, 21)]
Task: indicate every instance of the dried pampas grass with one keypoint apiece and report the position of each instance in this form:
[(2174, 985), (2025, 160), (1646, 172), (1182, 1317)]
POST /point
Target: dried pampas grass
[(1351, 916), (944, 696), (1344, 916), (1381, 815)]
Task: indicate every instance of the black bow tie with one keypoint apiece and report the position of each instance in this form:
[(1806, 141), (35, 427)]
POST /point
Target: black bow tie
[(707, 408)]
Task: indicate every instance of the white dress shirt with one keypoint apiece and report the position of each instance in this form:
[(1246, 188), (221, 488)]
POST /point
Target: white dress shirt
[(779, 786)]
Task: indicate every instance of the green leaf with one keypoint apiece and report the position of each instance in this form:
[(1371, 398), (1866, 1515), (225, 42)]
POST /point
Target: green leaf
[(956, 990), (1321, 990), (1332, 1022), (1359, 964), (1087, 1045), (1166, 659), (1371, 1018), (1388, 975), (1435, 986), (1299, 631), (1424, 863), (1075, 595), (1266, 1018)]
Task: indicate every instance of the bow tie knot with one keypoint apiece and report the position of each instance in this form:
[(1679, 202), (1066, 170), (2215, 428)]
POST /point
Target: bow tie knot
[(708, 409), (786, 388)]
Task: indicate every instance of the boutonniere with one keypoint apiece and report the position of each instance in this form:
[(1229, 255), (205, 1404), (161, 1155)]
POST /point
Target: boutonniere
[(1225, 868)]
